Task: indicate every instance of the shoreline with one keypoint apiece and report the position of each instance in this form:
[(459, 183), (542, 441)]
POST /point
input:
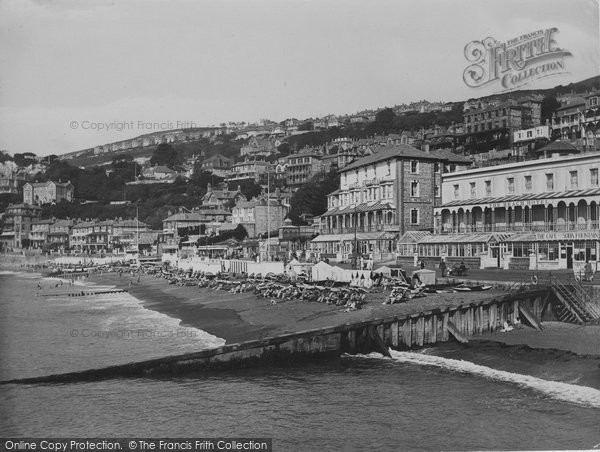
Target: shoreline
[(244, 317)]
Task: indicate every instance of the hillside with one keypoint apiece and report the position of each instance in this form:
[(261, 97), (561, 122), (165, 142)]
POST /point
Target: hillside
[(208, 141)]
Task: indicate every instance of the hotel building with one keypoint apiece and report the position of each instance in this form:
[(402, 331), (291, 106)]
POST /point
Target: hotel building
[(386, 193), (537, 214)]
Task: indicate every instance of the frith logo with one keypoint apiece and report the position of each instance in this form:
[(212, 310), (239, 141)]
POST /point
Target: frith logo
[(516, 62)]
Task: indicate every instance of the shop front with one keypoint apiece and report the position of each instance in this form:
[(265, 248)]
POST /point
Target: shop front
[(379, 245), (556, 250)]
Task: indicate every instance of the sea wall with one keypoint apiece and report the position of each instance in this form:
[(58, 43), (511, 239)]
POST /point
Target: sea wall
[(398, 332)]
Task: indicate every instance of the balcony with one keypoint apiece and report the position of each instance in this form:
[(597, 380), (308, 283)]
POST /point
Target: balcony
[(525, 227), (372, 228)]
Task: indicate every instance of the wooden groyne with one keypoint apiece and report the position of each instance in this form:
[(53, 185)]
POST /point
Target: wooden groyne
[(85, 293), (398, 332)]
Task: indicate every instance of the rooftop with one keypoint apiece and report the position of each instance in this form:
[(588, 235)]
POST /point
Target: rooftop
[(558, 146), (397, 151)]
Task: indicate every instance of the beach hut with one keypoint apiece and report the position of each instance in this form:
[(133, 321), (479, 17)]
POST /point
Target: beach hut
[(387, 271), (427, 276)]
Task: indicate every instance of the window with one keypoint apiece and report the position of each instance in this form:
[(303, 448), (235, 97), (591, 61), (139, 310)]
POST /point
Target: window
[(436, 191), (414, 167), (414, 189), (594, 177), (389, 168), (529, 133), (510, 184), (436, 167), (414, 216), (528, 184), (472, 185), (549, 181), (456, 191), (573, 179), (488, 188), (593, 101)]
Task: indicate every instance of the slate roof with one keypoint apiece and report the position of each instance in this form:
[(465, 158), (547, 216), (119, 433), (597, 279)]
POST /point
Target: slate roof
[(382, 153)]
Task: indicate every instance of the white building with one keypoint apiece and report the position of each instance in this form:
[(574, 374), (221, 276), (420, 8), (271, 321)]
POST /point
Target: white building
[(547, 210), (47, 192)]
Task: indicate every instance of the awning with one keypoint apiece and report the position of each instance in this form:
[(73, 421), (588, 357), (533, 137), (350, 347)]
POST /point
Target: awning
[(524, 237), (481, 237), (413, 236), (359, 208)]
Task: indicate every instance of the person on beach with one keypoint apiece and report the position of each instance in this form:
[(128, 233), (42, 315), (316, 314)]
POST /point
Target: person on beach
[(443, 268), (39, 285), (588, 271), (416, 281)]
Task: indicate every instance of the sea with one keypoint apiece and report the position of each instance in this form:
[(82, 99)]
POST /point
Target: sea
[(484, 396)]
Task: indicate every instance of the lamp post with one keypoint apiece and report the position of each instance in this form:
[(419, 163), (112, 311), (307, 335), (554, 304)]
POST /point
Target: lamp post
[(137, 231), (268, 219), (355, 247)]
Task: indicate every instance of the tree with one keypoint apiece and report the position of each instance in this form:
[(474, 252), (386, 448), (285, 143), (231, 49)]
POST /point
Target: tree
[(384, 120), (4, 157), (125, 167), (311, 198), (548, 107), (306, 126), (165, 155), (249, 188), (284, 148)]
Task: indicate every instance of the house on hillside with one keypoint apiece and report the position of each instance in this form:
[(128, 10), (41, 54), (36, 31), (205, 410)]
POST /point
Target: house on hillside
[(47, 192), (218, 164), (219, 197), (159, 173), (259, 147)]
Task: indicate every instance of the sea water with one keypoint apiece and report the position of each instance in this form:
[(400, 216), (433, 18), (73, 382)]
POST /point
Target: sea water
[(442, 398)]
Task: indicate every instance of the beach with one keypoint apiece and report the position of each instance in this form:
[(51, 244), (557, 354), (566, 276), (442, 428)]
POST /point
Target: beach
[(552, 395), (243, 317)]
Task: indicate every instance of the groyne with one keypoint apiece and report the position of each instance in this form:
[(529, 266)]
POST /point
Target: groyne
[(404, 332)]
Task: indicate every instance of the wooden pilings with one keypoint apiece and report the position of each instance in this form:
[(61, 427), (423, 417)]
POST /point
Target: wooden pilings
[(98, 292)]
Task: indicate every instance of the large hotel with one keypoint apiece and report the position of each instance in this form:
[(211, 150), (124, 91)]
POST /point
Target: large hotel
[(534, 215), (391, 191)]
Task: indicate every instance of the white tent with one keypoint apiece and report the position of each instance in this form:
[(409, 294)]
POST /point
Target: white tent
[(339, 274), (321, 271)]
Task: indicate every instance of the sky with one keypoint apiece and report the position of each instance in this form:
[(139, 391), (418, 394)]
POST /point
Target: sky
[(77, 74)]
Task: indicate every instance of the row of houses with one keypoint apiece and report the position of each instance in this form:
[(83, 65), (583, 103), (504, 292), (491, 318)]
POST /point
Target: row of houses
[(405, 203), (24, 228)]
